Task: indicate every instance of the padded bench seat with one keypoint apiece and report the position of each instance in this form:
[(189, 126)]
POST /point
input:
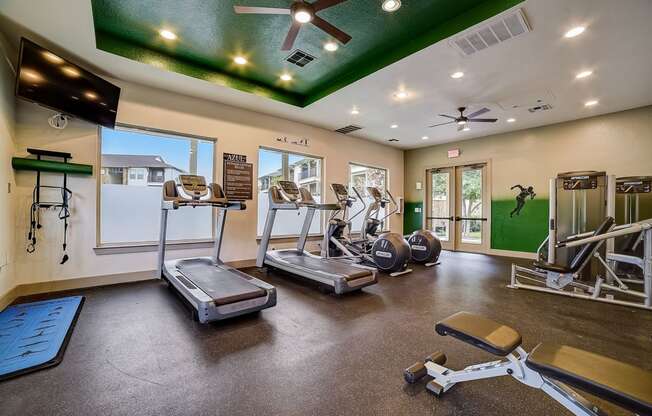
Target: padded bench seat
[(621, 383), (481, 332)]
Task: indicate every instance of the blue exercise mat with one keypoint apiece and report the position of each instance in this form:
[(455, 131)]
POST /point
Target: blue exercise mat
[(34, 335)]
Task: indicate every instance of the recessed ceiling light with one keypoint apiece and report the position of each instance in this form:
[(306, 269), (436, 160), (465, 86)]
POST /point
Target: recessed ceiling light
[(584, 74), (167, 34), (391, 5), (286, 77), (90, 95), (31, 75), (591, 103), (511, 120), (458, 74), (240, 60), (425, 138), (355, 111), (466, 128), (52, 57), (71, 72), (331, 46), (401, 95), (576, 31), (394, 126)]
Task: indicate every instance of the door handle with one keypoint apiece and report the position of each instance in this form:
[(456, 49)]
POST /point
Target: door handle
[(441, 218), (469, 219)]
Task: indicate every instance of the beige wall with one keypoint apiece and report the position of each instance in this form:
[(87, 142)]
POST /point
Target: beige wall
[(619, 143), (237, 131), (7, 148)]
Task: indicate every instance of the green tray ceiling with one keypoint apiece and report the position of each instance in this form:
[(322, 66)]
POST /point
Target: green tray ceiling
[(210, 34)]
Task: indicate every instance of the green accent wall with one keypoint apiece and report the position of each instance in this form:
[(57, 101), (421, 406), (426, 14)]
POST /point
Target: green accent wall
[(412, 221), (210, 34), (524, 232)]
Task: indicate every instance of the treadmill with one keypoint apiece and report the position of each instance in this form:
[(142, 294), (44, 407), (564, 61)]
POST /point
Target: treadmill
[(214, 290), (342, 277)]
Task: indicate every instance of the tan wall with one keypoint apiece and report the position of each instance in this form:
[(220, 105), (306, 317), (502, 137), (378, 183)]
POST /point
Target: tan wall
[(620, 143), (237, 131), (7, 148)]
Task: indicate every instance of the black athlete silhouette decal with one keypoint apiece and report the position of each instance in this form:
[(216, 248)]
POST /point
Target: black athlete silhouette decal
[(523, 194)]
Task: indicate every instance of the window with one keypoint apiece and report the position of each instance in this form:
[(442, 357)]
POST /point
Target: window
[(134, 165), (361, 177), (305, 171)]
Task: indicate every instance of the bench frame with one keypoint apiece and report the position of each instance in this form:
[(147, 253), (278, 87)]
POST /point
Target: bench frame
[(444, 378)]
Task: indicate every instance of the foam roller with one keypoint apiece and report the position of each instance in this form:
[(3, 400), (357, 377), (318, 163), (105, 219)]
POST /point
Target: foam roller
[(21, 163)]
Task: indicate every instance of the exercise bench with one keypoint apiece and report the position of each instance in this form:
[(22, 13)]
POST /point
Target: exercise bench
[(550, 367)]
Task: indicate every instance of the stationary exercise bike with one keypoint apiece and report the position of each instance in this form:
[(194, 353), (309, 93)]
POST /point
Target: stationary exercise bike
[(387, 251)]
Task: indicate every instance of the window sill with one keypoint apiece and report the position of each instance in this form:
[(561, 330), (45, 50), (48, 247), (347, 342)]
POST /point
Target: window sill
[(291, 238), (107, 249)]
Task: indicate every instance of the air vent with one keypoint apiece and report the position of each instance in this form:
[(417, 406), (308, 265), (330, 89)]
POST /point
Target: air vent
[(542, 107), (492, 33), (300, 58), (348, 129)]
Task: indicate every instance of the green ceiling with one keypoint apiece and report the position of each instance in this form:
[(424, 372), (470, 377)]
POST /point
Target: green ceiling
[(210, 34)]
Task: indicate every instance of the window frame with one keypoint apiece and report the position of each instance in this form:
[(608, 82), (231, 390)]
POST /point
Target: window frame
[(137, 246), (322, 181), (387, 176)]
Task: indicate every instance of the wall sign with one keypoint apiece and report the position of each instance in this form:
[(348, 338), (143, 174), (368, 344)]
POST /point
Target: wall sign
[(453, 153), (238, 177), (297, 142)]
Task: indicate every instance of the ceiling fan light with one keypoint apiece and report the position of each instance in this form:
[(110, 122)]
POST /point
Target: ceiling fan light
[(461, 122), (391, 5), (466, 128)]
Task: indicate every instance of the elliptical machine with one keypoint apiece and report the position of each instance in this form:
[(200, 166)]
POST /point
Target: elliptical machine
[(388, 251), (425, 247)]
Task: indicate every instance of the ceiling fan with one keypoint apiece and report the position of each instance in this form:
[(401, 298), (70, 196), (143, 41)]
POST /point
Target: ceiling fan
[(302, 12), (462, 120)]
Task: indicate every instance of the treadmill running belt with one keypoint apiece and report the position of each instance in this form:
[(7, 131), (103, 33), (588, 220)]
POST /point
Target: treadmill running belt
[(222, 285), (332, 267)]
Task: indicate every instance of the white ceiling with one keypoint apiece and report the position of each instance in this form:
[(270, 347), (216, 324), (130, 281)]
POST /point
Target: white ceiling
[(542, 63)]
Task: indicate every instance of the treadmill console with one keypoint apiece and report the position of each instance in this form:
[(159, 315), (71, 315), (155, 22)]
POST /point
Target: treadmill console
[(634, 185), (290, 189), (193, 185)]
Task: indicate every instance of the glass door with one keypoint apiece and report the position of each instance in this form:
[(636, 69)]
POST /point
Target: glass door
[(470, 208), (440, 205), (457, 205)]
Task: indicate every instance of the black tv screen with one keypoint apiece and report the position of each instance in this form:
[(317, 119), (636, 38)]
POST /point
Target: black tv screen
[(51, 81)]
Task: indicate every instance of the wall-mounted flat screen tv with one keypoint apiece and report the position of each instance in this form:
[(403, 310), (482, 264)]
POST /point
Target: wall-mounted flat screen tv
[(51, 81)]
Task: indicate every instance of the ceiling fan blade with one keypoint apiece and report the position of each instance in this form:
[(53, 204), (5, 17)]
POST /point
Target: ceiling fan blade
[(325, 4), (445, 115), (442, 124), (479, 112), (483, 120), (331, 30), (291, 36), (259, 10)]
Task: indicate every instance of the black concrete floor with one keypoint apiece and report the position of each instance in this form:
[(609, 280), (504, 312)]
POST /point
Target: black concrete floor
[(135, 350)]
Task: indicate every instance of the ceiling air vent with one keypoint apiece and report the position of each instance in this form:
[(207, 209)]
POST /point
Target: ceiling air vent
[(492, 33), (542, 107), (300, 58), (348, 129)]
